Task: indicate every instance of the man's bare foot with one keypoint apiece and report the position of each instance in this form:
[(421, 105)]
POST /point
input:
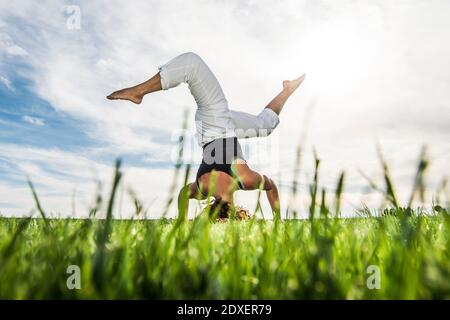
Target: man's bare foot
[(126, 94), (292, 85)]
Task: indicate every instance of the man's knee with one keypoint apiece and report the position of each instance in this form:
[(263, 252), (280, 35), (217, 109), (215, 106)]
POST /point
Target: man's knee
[(191, 55), (267, 122), (265, 128), (193, 63), (194, 59)]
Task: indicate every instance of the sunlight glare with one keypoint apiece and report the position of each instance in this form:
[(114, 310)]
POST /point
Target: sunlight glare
[(335, 57)]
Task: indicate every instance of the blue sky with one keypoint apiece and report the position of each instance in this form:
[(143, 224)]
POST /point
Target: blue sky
[(378, 71)]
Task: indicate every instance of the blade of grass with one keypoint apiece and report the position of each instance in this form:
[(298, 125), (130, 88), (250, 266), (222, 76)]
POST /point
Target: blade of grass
[(389, 192), (338, 194), (419, 185), (38, 205)]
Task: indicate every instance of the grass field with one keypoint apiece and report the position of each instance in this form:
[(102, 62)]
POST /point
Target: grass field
[(323, 258), (399, 253)]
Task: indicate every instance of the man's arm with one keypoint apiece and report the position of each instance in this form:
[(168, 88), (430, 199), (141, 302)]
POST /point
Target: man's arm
[(252, 180), (273, 197)]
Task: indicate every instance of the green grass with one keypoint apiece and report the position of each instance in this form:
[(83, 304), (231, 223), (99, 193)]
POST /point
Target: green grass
[(323, 257)]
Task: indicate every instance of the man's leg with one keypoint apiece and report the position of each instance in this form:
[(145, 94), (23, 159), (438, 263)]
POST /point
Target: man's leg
[(186, 68), (261, 125), (289, 86), (249, 125), (136, 93)]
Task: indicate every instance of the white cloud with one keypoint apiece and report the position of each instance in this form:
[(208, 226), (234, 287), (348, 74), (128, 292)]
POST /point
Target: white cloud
[(34, 121), (8, 47), (15, 50), (7, 83)]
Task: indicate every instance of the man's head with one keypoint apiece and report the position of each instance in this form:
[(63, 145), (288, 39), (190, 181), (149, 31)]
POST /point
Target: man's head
[(221, 209)]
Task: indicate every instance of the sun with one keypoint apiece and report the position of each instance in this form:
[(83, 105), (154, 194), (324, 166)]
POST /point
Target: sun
[(335, 58)]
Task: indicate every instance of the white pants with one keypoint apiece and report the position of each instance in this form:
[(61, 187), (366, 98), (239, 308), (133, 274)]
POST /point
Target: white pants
[(213, 117)]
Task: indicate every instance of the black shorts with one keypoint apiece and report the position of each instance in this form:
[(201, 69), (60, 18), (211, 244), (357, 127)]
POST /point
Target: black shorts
[(219, 155)]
